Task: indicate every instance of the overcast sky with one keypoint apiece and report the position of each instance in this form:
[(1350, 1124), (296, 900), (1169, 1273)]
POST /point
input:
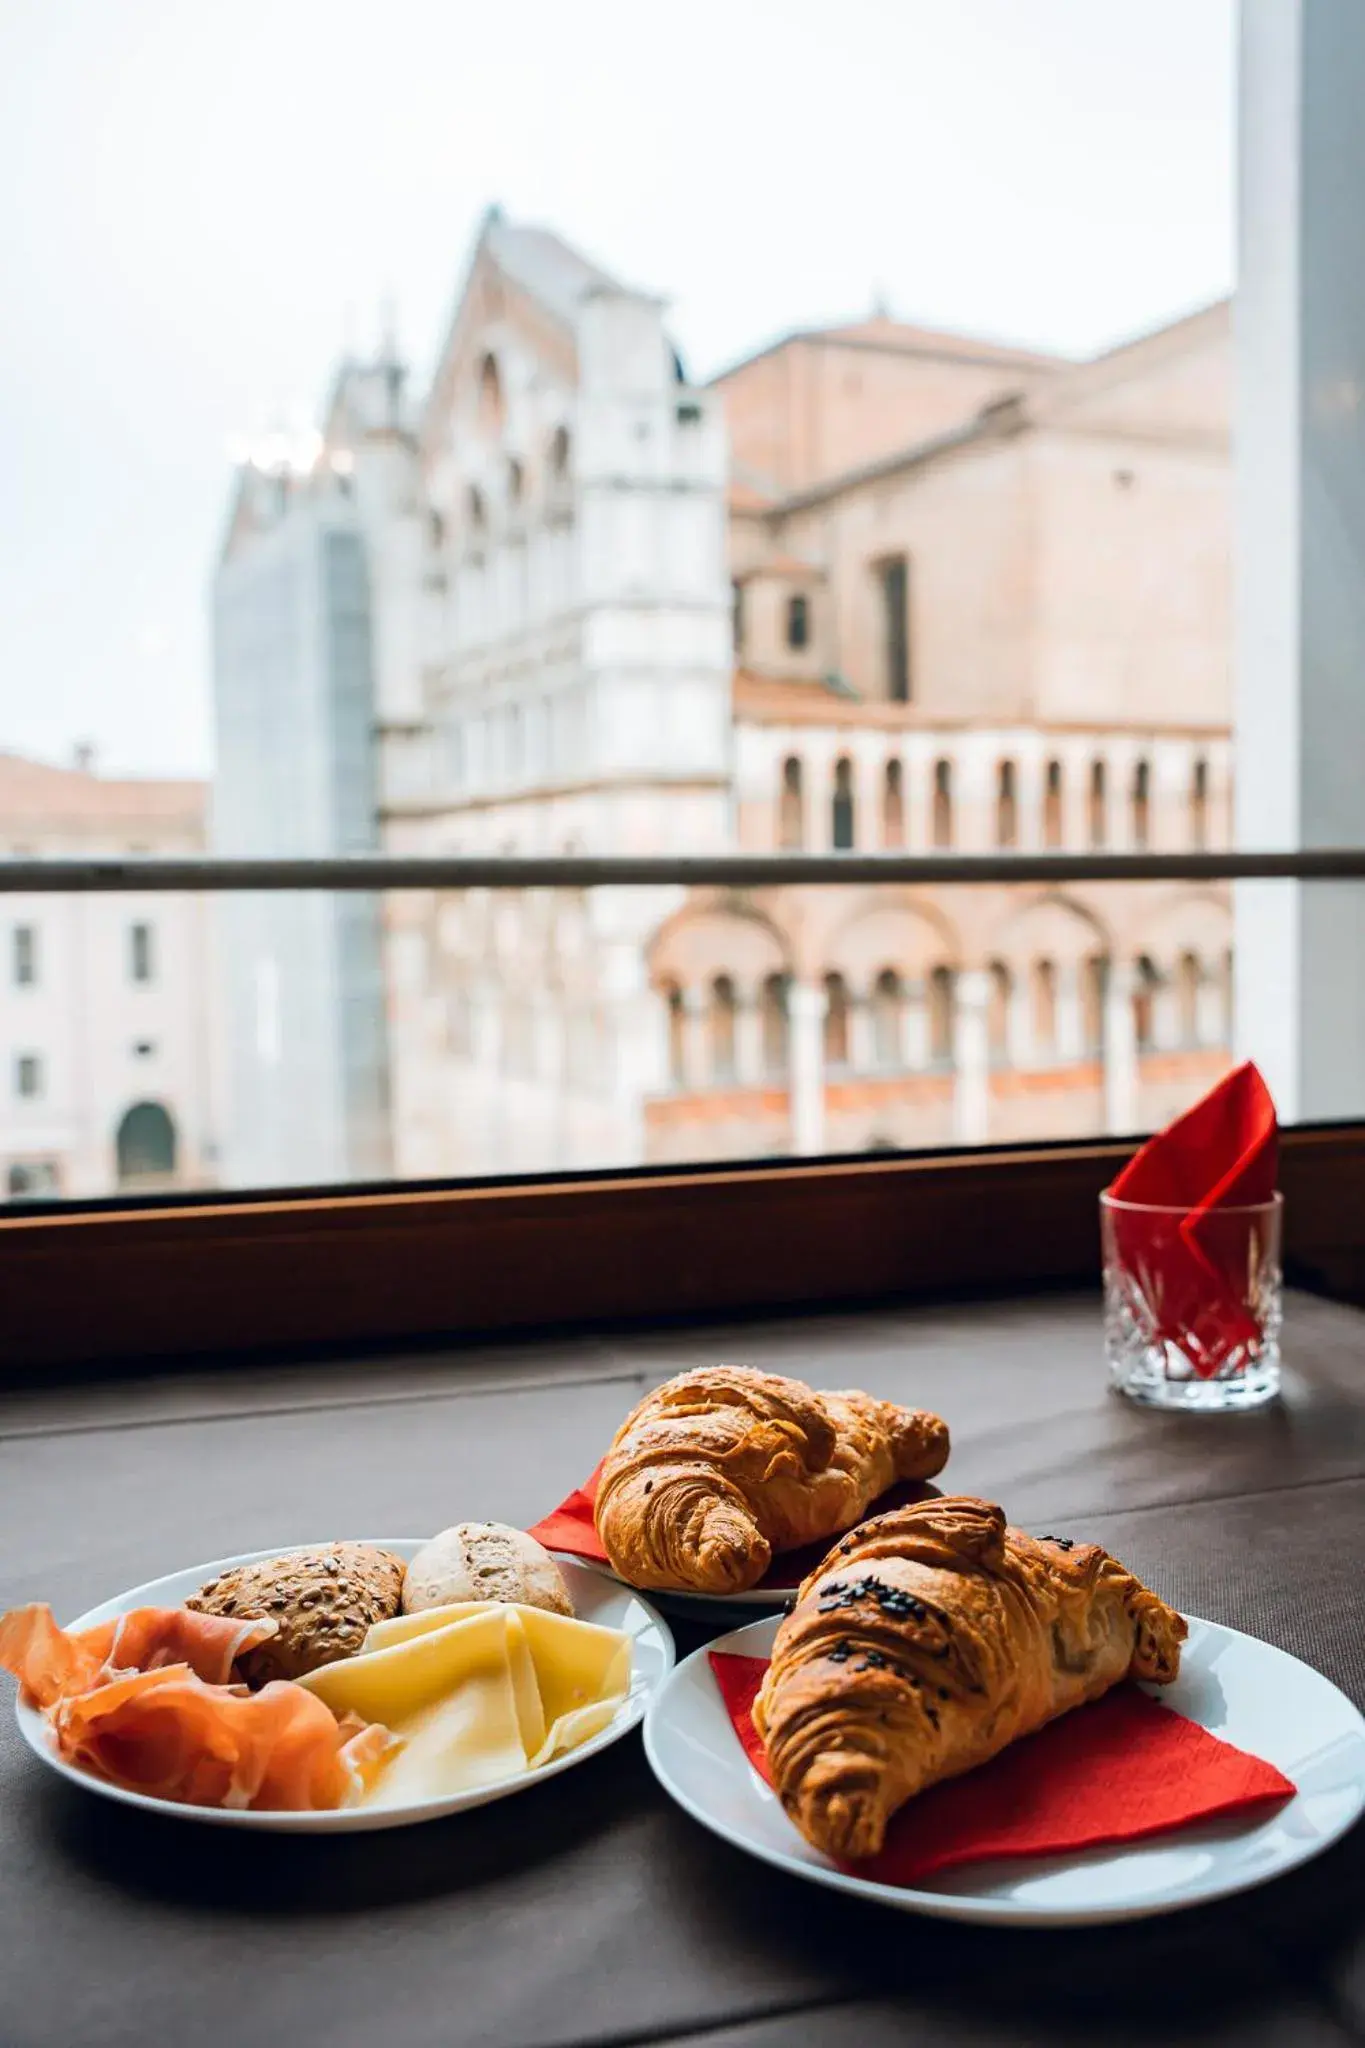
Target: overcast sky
[(200, 200)]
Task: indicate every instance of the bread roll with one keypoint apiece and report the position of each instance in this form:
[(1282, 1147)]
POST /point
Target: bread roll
[(484, 1561), (324, 1601)]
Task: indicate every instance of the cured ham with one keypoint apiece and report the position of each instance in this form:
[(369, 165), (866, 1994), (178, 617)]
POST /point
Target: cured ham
[(51, 1662), (145, 1701)]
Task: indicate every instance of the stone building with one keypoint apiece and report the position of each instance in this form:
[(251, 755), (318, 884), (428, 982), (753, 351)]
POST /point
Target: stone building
[(108, 1026), (873, 587)]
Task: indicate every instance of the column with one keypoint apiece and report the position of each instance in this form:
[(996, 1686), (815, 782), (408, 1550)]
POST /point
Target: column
[(1029, 774), (971, 1090), (861, 1053), (749, 1040), (1299, 541), (696, 1042), (1070, 1024), (806, 1066), (1208, 1009), (1120, 1053)]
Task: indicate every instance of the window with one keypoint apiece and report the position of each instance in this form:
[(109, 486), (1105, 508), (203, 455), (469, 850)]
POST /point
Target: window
[(791, 818), (1099, 805), (31, 1179), (1199, 806), (722, 1028), (798, 621), (1044, 1006), (28, 1076), (893, 576), (887, 1012), (141, 957), (893, 806), (676, 1013), (491, 407), (1142, 803), (1006, 806), (836, 1021), (942, 1000), (25, 955), (1053, 828), (1146, 983), (841, 810), (773, 1020), (737, 615), (144, 1049), (516, 482), (1188, 981), (559, 454), (999, 1000), (943, 804)]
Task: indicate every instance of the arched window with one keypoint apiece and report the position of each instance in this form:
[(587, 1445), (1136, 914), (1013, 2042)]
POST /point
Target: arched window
[(475, 514), (1052, 805), (1044, 1006), (1146, 983), (798, 621), (516, 481), (1094, 982), (841, 812), (144, 1145), (1099, 804), (559, 454), (943, 804), (836, 1021), (998, 1002), (791, 808), (1229, 995), (722, 1028), (1187, 981), (773, 1013), (737, 615), (1142, 803), (893, 805), (1006, 806), (677, 1034), (887, 1048), (436, 530), (491, 407), (941, 1004), (1199, 805)]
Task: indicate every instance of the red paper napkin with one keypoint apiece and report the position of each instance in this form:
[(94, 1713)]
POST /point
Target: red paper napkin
[(570, 1527), (1192, 1269), (1116, 1771)]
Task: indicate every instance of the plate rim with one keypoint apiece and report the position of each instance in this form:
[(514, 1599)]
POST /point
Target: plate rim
[(630, 1714), (957, 1906), (771, 1600)]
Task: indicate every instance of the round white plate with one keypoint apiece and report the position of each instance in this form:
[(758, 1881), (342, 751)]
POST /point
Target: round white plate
[(652, 1657), (1259, 1698)]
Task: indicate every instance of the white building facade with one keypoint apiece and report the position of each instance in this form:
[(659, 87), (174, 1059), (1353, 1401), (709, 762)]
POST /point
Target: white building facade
[(109, 1029)]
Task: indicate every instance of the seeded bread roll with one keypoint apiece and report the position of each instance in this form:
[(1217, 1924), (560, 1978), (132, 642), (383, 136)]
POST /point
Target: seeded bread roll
[(484, 1561), (324, 1601)]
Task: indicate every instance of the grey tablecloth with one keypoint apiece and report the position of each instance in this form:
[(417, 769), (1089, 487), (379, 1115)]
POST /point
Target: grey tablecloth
[(591, 1911)]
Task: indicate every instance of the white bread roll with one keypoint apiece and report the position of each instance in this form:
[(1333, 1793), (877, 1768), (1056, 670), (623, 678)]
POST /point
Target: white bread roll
[(484, 1561)]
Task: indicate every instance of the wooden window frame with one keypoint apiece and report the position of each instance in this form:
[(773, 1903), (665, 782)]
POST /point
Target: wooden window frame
[(182, 1277)]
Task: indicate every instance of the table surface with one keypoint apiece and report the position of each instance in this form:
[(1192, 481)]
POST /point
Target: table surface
[(591, 1910)]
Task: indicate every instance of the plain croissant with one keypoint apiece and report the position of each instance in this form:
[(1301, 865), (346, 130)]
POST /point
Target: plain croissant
[(718, 1468), (927, 1641)]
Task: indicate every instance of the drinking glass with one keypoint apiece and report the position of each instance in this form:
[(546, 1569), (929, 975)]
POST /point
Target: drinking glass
[(1193, 1303)]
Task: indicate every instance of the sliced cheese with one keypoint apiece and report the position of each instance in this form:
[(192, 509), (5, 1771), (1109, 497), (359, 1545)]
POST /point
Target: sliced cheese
[(479, 1691)]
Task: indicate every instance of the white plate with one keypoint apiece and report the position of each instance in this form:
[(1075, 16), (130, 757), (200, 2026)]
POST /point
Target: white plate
[(704, 1606), (1257, 1697), (652, 1656)]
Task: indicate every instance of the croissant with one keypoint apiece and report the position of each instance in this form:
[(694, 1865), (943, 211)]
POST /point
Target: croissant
[(718, 1468), (926, 1642)]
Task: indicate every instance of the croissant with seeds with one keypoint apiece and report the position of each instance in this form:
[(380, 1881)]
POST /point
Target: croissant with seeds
[(927, 1641)]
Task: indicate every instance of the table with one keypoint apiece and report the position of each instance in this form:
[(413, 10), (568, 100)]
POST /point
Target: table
[(591, 1911)]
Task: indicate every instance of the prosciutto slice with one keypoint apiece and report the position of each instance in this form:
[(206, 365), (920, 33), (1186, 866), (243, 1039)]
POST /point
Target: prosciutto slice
[(145, 1702)]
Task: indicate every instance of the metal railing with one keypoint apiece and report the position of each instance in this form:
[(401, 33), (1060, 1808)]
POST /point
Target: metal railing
[(720, 871)]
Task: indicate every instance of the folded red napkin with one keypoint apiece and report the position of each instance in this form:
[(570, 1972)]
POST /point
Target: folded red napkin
[(1116, 1771), (570, 1527), (1192, 1268)]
